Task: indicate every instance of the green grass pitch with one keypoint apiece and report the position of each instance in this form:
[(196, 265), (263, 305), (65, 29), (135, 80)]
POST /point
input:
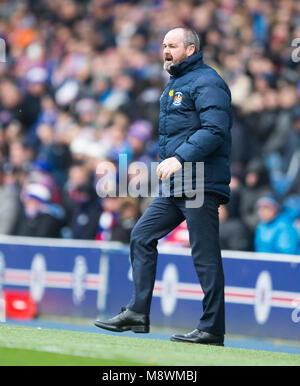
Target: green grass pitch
[(23, 346)]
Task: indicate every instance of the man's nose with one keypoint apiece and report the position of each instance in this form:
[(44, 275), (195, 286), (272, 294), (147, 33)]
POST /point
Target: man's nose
[(166, 50)]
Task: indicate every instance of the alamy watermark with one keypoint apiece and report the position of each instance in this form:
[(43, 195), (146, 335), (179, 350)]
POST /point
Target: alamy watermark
[(140, 180), (2, 51), (296, 51), (296, 311)]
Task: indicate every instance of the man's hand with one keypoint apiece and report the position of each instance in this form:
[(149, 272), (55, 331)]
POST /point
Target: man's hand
[(167, 167)]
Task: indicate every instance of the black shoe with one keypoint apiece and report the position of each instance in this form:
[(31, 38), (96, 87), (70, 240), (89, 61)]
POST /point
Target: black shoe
[(126, 320), (201, 337)]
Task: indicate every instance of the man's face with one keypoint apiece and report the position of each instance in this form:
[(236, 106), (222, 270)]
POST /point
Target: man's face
[(267, 213), (174, 51)]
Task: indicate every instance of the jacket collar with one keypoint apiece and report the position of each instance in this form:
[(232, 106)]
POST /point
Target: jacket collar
[(187, 65)]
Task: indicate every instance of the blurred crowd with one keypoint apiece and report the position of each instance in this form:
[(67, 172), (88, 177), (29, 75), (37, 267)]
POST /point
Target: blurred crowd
[(81, 83)]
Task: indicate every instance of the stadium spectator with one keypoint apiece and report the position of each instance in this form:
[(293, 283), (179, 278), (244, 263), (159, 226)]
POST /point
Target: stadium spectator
[(81, 204), (139, 136), (91, 70), (256, 184), (127, 218), (108, 218), (53, 153), (285, 165), (10, 102), (35, 89), (275, 232), (234, 235), (39, 217)]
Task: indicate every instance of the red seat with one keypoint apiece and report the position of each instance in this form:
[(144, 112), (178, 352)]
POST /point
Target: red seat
[(19, 305)]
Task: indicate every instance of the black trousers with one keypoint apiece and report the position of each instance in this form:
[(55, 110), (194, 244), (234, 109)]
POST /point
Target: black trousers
[(160, 218)]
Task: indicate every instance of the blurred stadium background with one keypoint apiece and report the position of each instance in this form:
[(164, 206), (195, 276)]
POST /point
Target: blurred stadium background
[(80, 83)]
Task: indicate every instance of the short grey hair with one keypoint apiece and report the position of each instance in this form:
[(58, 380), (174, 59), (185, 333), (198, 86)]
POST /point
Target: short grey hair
[(190, 37)]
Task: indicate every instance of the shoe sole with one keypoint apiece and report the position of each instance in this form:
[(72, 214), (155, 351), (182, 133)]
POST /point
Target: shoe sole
[(135, 329), (187, 341)]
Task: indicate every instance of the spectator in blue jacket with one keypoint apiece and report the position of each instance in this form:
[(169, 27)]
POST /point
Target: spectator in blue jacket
[(275, 232)]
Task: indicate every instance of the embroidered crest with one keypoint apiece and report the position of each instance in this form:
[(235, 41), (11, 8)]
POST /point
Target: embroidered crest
[(177, 98)]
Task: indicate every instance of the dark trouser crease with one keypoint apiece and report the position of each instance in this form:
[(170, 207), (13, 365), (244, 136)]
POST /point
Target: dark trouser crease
[(162, 216)]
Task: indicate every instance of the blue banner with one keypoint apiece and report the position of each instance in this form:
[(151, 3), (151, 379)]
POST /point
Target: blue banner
[(85, 278)]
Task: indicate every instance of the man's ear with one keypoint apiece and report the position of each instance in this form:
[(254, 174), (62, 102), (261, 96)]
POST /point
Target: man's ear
[(190, 50)]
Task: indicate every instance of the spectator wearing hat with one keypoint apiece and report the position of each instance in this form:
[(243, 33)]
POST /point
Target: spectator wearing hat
[(39, 216), (275, 232)]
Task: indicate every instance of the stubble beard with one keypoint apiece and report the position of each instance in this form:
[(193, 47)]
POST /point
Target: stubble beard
[(167, 66)]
